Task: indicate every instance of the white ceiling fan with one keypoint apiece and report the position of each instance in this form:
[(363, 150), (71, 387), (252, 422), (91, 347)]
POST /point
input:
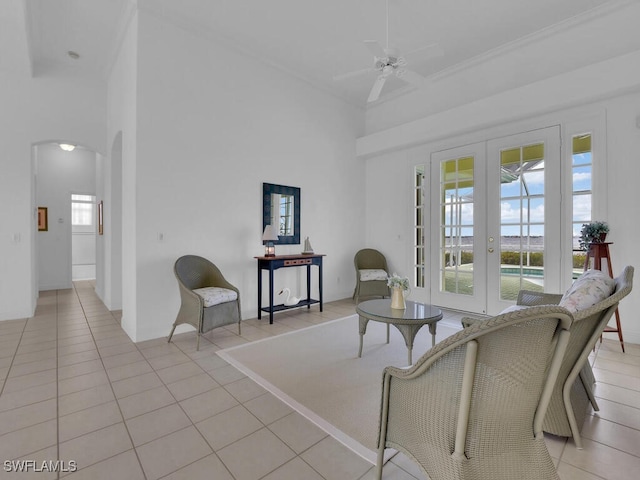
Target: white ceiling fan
[(388, 61)]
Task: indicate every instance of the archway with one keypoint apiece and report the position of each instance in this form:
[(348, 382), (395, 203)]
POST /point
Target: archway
[(57, 174)]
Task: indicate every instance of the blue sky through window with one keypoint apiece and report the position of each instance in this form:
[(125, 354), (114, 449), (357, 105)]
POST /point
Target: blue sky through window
[(582, 187)]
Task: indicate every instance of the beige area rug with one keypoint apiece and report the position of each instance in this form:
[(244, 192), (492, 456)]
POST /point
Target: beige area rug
[(317, 372)]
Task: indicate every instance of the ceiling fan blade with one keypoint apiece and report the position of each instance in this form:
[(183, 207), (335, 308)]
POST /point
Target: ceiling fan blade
[(411, 77), (377, 88), (375, 48), (355, 73), (425, 53)]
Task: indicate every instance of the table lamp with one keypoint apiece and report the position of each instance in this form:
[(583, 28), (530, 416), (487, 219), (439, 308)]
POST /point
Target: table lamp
[(270, 234)]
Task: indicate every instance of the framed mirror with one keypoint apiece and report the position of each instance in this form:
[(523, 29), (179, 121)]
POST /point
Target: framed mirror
[(281, 208)]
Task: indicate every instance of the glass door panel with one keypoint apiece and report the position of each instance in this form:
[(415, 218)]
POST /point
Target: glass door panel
[(523, 216), (457, 273), (521, 219)]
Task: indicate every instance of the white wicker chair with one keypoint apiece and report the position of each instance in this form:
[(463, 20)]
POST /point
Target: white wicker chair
[(573, 390), (472, 407)]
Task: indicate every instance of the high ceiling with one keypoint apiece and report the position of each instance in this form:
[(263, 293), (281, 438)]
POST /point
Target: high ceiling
[(314, 40)]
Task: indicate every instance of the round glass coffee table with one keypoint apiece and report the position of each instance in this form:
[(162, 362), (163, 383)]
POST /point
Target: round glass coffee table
[(408, 321)]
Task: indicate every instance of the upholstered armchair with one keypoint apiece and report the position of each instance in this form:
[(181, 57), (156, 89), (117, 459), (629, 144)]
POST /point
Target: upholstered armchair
[(371, 274), (472, 407), (208, 300)]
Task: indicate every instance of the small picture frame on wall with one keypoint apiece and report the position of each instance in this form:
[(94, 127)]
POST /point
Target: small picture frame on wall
[(43, 220), (100, 219)]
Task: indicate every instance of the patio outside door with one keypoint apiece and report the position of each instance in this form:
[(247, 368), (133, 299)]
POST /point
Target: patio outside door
[(496, 221), (523, 233), (458, 226)]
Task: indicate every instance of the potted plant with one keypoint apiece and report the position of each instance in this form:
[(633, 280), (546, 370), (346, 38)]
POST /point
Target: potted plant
[(593, 232), (399, 285)]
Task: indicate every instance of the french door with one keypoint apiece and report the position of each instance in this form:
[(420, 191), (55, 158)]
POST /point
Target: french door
[(495, 225), (458, 228), (524, 216)]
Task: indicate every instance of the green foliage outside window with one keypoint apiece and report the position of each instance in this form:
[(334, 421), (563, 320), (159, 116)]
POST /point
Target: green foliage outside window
[(536, 259)]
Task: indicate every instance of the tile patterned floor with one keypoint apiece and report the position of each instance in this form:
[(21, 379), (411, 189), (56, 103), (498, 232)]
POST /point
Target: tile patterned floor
[(74, 387)]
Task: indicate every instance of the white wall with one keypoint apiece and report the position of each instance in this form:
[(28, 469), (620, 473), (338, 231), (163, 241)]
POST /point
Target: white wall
[(623, 155), (33, 110), (206, 140), (59, 174), (100, 266), (118, 242)]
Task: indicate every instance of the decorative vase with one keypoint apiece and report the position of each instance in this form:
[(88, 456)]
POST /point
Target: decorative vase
[(397, 298)]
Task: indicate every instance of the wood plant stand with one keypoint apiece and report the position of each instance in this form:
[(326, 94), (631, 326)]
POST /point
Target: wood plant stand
[(598, 251)]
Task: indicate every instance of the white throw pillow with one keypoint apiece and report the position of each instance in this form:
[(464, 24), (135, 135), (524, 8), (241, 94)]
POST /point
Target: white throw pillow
[(216, 295), (591, 287), (368, 274)]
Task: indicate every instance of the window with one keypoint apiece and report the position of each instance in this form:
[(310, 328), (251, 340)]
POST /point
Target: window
[(82, 210), (419, 247), (457, 183), (522, 218), (582, 188)]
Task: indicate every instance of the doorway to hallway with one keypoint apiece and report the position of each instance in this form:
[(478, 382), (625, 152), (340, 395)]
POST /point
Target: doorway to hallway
[(83, 237)]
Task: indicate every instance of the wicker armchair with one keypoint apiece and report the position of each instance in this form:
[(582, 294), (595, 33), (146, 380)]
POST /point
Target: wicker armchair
[(193, 272), (472, 407), (370, 259), (573, 390)]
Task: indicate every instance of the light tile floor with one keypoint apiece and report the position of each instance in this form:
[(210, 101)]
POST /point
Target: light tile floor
[(75, 388)]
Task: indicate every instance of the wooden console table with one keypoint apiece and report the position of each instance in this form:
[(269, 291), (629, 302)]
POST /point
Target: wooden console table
[(272, 264)]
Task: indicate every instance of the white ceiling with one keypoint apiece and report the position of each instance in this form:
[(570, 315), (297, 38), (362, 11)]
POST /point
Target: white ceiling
[(314, 40)]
